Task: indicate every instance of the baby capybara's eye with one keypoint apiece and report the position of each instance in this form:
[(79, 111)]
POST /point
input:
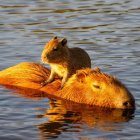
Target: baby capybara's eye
[(55, 49)]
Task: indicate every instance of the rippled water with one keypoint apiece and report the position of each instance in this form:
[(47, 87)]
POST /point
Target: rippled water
[(109, 30)]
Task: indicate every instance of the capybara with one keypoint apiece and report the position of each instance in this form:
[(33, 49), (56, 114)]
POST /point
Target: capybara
[(87, 86), (64, 61)]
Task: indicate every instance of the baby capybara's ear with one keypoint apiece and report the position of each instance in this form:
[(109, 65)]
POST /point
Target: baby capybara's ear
[(55, 37), (64, 41)]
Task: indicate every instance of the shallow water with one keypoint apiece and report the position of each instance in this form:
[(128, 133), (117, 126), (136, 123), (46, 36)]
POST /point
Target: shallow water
[(109, 30)]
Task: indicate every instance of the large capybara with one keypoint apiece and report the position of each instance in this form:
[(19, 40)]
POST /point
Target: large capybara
[(87, 86)]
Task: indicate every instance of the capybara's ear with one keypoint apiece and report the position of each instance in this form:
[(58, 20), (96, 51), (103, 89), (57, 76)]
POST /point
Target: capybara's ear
[(55, 37), (81, 75), (64, 41)]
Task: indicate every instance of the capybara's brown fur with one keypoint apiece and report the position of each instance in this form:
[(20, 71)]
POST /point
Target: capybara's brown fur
[(87, 86), (64, 61), (91, 86)]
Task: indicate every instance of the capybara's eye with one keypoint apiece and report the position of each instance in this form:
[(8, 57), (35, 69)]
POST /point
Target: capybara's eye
[(96, 86), (55, 49)]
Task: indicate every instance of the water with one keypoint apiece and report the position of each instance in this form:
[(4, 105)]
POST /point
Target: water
[(107, 29)]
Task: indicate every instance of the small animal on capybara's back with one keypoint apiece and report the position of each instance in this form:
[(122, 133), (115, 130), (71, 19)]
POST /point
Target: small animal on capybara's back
[(64, 61)]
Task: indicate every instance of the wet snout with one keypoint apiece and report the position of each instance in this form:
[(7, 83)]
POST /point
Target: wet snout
[(125, 100), (128, 104)]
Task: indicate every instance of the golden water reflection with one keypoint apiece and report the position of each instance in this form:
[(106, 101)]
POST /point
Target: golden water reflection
[(63, 116), (66, 116)]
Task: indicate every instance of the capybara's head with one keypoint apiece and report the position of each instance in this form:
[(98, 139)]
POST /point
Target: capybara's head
[(94, 87), (55, 51)]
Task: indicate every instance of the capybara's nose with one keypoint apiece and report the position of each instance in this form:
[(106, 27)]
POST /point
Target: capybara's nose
[(129, 104)]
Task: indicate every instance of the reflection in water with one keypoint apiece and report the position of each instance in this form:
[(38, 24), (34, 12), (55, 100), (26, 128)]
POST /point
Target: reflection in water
[(65, 116)]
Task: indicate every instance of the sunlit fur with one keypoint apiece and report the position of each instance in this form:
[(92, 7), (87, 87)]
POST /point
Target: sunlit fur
[(87, 86), (54, 57), (92, 86), (64, 61)]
